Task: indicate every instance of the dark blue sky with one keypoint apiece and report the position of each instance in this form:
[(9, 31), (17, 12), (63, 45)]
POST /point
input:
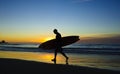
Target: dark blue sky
[(72, 17)]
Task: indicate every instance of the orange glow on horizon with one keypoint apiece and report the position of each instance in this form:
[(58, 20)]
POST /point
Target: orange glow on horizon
[(43, 38), (30, 39)]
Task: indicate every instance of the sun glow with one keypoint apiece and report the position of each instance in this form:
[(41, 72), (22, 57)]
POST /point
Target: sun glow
[(48, 38)]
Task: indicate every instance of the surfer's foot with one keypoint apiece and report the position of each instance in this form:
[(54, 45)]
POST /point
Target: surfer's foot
[(53, 60)]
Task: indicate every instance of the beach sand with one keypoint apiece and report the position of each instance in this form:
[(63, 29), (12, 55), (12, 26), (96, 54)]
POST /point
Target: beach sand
[(15, 66)]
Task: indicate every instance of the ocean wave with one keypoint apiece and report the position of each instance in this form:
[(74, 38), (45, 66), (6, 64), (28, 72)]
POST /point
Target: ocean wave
[(111, 51)]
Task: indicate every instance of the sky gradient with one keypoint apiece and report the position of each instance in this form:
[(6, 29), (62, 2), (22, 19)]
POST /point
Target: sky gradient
[(34, 20)]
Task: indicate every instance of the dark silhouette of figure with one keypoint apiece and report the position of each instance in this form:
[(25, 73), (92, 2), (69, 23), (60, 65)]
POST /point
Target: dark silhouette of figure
[(58, 46)]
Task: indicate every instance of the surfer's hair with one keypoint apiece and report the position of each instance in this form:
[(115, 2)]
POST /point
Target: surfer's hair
[(55, 30)]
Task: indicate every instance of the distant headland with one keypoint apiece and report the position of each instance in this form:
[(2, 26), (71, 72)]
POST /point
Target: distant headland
[(3, 42)]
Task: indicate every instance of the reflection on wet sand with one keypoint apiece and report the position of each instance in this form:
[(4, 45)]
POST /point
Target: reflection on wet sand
[(90, 60)]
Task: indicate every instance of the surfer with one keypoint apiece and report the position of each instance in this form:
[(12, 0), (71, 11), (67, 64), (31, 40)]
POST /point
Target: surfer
[(59, 46)]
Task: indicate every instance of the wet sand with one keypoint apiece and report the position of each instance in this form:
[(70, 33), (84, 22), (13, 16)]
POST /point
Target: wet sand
[(15, 66)]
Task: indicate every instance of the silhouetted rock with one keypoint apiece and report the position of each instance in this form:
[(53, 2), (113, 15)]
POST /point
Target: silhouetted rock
[(3, 42)]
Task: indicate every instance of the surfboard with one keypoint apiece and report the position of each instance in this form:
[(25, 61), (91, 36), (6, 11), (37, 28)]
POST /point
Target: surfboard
[(51, 44)]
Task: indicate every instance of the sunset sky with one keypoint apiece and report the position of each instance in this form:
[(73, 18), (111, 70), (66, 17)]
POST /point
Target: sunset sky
[(34, 20)]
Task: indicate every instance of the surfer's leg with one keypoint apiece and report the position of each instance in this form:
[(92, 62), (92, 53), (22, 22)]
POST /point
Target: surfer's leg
[(61, 51), (55, 55), (64, 56)]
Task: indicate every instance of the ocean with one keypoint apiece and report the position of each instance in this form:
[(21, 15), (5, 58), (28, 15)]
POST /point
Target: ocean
[(105, 56)]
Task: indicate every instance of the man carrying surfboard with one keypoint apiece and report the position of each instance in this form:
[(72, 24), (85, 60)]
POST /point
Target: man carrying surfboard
[(58, 46)]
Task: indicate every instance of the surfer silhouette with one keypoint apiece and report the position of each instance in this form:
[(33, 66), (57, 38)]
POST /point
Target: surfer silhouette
[(59, 46)]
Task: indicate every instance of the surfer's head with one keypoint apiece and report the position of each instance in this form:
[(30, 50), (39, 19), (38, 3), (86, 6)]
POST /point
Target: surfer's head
[(55, 31)]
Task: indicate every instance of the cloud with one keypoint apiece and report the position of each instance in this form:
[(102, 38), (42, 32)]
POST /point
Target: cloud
[(105, 39)]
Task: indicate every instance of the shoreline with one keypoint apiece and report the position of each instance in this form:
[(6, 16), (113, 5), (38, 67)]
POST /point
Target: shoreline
[(10, 66), (107, 51)]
